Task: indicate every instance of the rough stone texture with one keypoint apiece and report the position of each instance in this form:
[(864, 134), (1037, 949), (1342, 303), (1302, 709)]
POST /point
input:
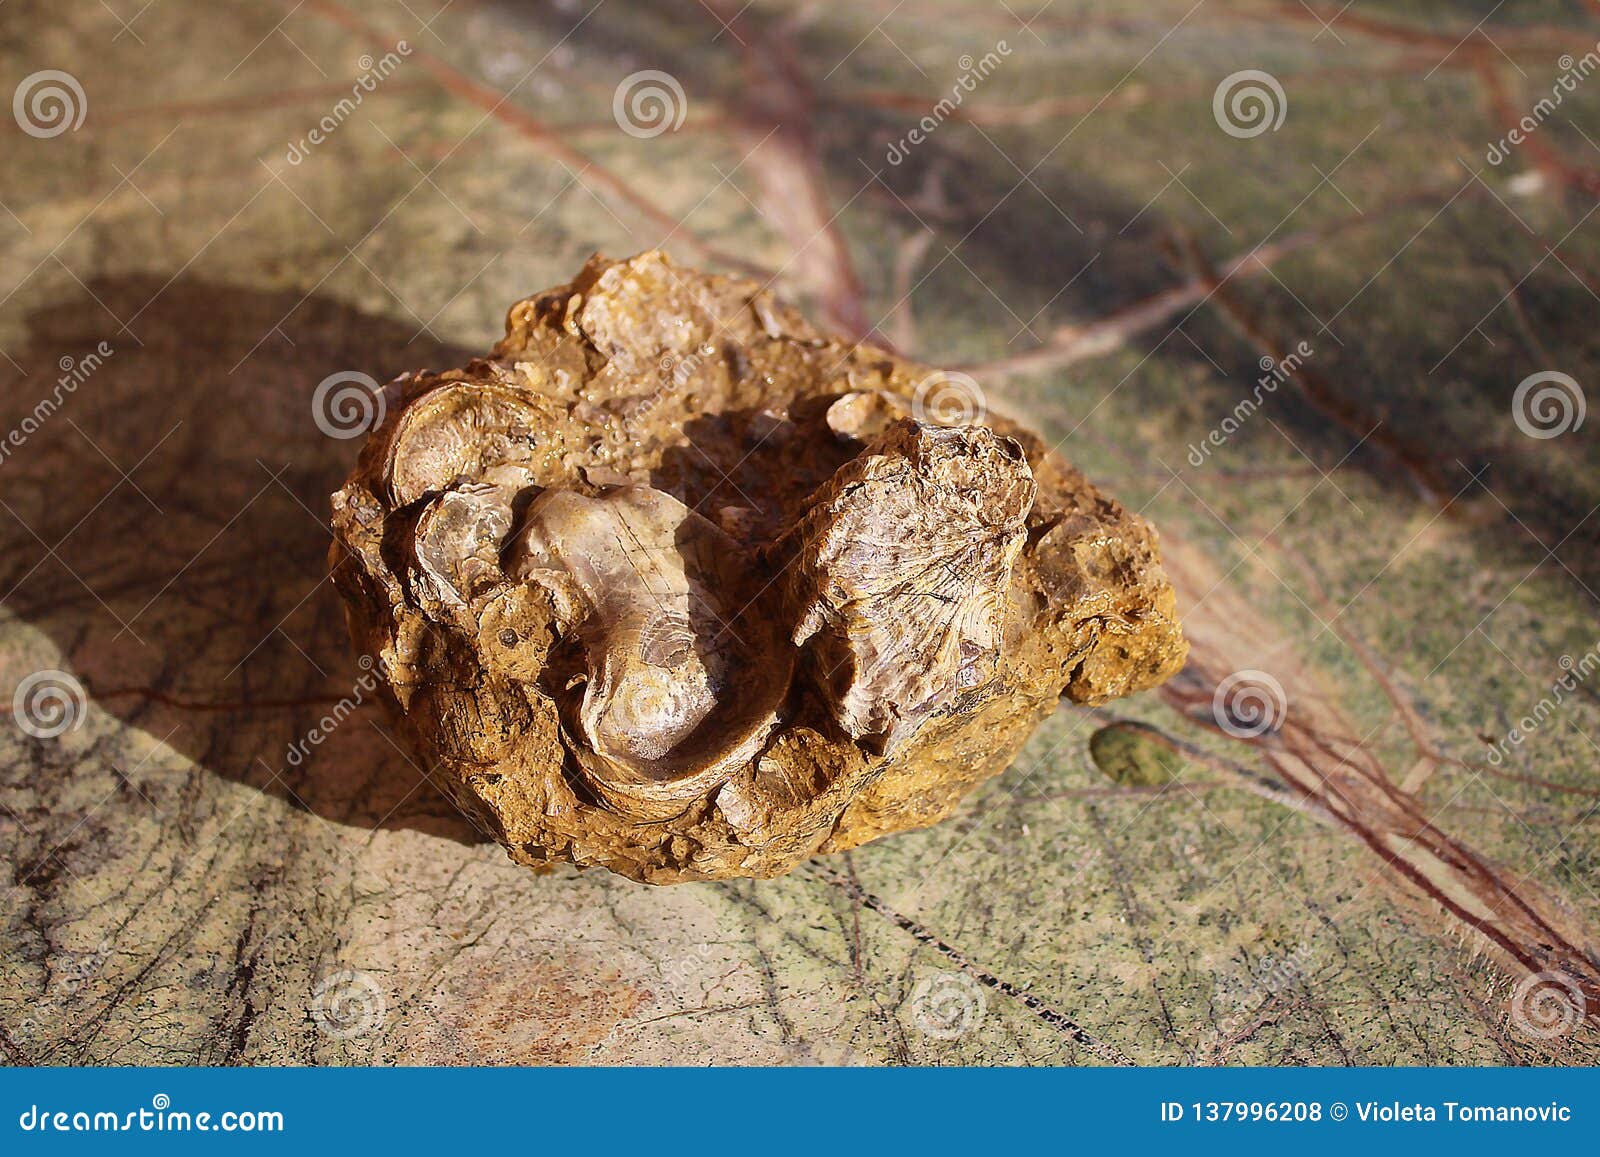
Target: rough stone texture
[(676, 584), (1361, 886)]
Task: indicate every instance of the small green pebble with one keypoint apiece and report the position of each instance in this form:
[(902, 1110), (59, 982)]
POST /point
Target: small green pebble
[(1134, 755)]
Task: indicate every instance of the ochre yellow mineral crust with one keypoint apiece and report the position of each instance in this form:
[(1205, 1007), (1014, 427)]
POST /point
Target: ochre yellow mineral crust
[(675, 584)]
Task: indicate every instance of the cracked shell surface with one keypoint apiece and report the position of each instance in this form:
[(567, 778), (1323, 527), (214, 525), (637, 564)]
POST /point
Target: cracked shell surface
[(674, 584)]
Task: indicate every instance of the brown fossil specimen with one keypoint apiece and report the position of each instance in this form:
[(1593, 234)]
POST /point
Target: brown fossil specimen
[(676, 584)]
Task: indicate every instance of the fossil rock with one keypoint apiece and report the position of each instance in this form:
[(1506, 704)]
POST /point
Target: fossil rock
[(676, 584)]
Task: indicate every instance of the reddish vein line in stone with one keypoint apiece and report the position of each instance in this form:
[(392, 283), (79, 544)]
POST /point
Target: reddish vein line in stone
[(548, 139)]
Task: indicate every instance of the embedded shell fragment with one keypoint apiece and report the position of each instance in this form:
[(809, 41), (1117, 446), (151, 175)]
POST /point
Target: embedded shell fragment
[(681, 682), (902, 572), (675, 584)]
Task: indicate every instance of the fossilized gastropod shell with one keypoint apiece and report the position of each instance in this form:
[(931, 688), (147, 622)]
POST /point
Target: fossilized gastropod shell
[(457, 430), (458, 537), (683, 677)]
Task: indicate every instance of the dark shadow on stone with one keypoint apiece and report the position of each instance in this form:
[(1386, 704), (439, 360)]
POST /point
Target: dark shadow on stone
[(747, 461), (190, 597)]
